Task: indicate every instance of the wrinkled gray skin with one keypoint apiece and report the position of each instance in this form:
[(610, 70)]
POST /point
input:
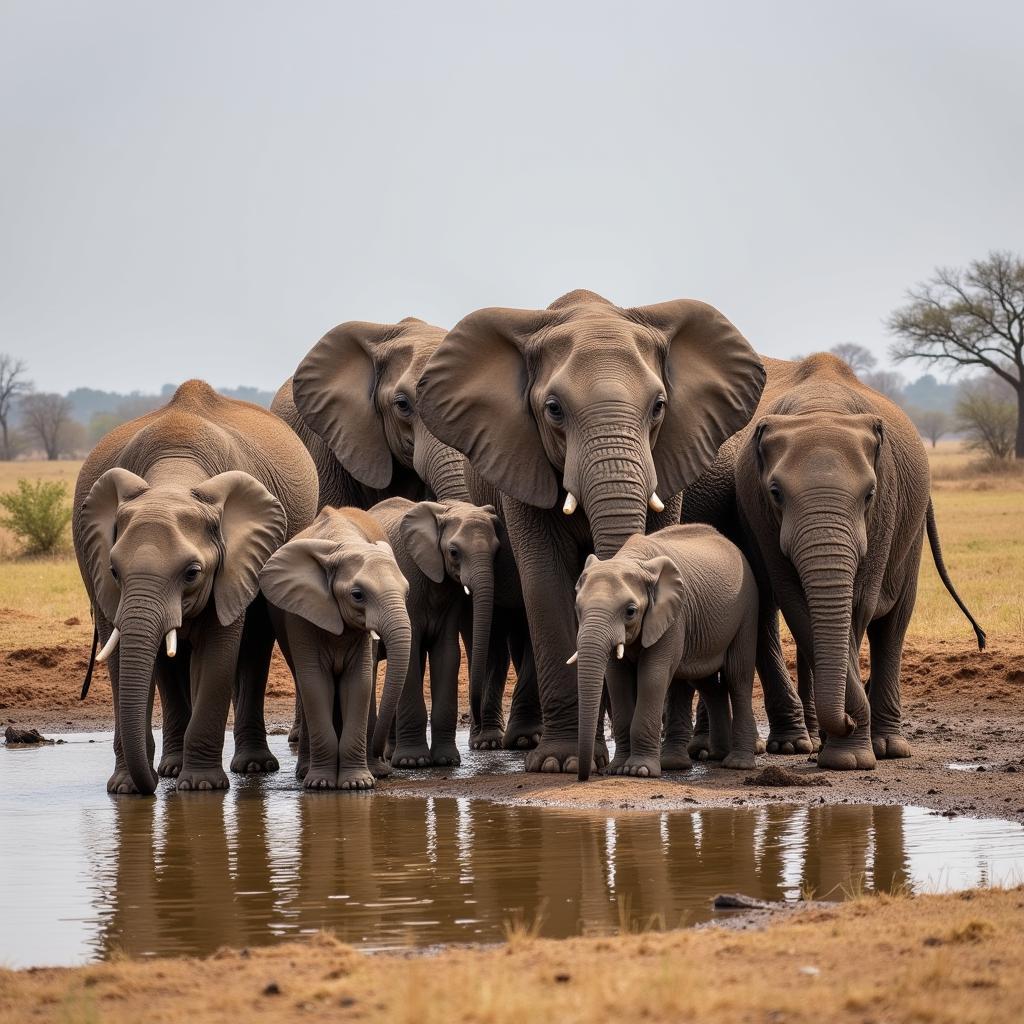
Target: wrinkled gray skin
[(831, 486), (675, 609), (442, 549), (607, 404), (175, 514), (328, 588)]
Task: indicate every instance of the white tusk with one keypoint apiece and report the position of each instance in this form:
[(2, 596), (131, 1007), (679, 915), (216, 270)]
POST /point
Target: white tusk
[(570, 503), (109, 647), (171, 642), (374, 635), (619, 651), (466, 589), (654, 503), (574, 659)]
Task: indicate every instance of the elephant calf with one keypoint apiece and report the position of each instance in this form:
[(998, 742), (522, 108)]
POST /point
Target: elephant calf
[(331, 589), (443, 549), (676, 607)]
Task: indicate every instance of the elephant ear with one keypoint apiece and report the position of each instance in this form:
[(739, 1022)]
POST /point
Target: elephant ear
[(714, 381), (474, 396), (297, 580), (99, 521), (421, 534), (665, 599), (335, 389), (253, 525)]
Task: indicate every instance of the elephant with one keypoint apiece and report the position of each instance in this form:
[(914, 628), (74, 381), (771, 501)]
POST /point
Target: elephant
[(829, 489), (679, 609), (333, 589), (443, 549), (175, 514), (578, 415)]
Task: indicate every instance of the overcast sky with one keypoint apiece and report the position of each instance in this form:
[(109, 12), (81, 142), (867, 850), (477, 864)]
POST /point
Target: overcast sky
[(204, 188)]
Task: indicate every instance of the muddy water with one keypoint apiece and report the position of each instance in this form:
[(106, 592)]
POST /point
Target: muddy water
[(83, 875)]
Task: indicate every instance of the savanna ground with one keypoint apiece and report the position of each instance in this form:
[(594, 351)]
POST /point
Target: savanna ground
[(925, 959)]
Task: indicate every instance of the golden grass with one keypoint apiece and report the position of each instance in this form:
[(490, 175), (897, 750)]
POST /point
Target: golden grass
[(935, 959)]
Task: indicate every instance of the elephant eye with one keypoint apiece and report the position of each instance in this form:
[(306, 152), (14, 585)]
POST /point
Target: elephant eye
[(357, 595), (554, 409), (631, 610), (192, 573), (869, 496), (776, 492), (402, 404), (454, 552), (658, 409), (115, 574)]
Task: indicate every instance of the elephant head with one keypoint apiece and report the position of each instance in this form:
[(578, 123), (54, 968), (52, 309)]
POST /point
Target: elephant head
[(356, 388), (588, 403), (156, 555), (618, 602), (348, 586), (460, 541), (816, 478)]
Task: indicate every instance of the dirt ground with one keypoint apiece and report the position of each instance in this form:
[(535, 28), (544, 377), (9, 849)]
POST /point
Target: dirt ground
[(936, 959)]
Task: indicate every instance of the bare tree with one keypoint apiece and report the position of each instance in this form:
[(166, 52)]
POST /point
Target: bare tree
[(987, 412), (48, 419), (932, 423), (972, 317), (12, 385), (857, 357), (888, 382)]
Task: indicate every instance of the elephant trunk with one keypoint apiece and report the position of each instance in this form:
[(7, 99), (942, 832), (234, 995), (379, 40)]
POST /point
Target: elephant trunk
[(480, 580), (594, 648), (441, 468), (393, 626), (826, 560)]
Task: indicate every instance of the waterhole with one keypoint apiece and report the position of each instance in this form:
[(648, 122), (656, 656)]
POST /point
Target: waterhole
[(85, 875)]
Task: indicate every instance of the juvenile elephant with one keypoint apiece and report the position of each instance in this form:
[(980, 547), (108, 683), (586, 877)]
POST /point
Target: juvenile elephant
[(443, 549), (677, 608), (580, 415), (831, 486), (332, 588), (175, 514)]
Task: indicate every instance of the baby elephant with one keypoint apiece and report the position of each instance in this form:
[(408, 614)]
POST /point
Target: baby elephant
[(678, 606), (443, 548), (333, 588)]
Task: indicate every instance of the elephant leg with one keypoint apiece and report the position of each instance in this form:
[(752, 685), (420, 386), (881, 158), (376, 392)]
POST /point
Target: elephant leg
[(315, 686), (488, 716), (293, 731), (444, 697), (678, 727), (738, 681), (172, 680), (620, 679), (356, 691), (213, 666), (787, 731), (805, 687), (885, 637), (252, 754), (699, 746), (524, 727), (845, 753), (411, 750), (654, 674), (715, 697)]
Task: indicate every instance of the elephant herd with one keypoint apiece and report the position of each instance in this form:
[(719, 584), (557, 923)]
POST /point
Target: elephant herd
[(616, 501)]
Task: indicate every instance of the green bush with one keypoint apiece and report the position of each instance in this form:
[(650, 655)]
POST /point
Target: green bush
[(38, 515)]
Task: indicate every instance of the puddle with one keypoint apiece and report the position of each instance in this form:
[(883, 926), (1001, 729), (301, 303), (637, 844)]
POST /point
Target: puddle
[(85, 875)]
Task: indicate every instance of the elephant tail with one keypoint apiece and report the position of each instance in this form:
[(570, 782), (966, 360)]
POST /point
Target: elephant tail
[(92, 661), (940, 565)]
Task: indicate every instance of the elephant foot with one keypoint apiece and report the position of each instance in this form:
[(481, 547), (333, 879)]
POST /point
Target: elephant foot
[(251, 760), (641, 767), (522, 734), (700, 749), (355, 779), (201, 779), (739, 760), (487, 737), (170, 764), (887, 745), (301, 769), (320, 778), (615, 764), (553, 756), (445, 755), (759, 745), (293, 733), (847, 754), (121, 783), (789, 741), (411, 755), (674, 758), (379, 768)]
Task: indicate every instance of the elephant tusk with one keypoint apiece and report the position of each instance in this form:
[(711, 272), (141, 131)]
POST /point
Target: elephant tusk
[(570, 503), (374, 635), (619, 651), (171, 643), (109, 647), (574, 658), (466, 589), (654, 503)]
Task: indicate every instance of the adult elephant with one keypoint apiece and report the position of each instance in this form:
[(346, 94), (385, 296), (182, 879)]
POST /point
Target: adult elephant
[(831, 492), (175, 514), (579, 414)]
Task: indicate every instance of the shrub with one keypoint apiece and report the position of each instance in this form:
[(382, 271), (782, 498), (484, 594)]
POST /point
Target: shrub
[(38, 514)]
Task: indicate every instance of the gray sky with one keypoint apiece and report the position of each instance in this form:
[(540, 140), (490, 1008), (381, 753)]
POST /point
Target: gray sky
[(203, 188)]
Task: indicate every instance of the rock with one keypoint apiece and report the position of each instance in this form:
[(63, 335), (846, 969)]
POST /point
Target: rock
[(73, 621), (25, 737), (737, 901), (776, 775)]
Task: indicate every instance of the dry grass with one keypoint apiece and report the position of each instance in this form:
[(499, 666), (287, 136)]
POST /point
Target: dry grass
[(937, 959)]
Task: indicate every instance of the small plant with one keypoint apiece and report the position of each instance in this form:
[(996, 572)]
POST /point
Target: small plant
[(38, 515)]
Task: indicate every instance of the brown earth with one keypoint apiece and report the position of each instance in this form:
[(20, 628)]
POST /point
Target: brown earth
[(935, 959)]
